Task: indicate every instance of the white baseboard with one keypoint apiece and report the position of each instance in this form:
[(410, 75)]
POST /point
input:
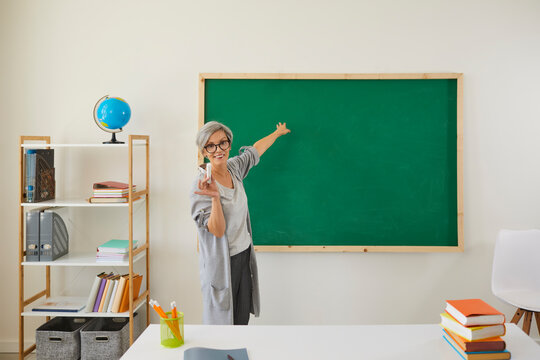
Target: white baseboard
[(12, 346)]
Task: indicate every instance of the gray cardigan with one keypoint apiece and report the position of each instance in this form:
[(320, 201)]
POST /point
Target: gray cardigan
[(214, 259)]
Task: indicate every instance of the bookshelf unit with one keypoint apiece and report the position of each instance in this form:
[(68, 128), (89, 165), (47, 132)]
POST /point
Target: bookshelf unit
[(85, 259)]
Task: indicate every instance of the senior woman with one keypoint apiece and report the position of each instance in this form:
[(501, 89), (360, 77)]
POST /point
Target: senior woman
[(228, 269)]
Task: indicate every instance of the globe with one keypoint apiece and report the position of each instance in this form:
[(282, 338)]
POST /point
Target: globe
[(111, 114)]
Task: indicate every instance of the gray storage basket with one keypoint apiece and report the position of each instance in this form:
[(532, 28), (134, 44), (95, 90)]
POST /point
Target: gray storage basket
[(59, 338), (108, 338)]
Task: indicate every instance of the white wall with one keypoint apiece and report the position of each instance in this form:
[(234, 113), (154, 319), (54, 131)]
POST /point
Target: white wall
[(58, 57)]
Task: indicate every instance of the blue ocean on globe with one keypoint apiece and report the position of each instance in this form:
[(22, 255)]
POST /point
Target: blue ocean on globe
[(113, 113)]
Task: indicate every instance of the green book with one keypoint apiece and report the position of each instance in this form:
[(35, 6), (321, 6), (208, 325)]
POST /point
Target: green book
[(116, 246)]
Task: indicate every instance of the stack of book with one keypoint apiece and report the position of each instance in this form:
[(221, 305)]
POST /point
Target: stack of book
[(114, 250), (111, 192), (473, 329), (110, 293)]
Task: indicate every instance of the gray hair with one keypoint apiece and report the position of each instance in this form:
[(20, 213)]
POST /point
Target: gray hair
[(208, 129)]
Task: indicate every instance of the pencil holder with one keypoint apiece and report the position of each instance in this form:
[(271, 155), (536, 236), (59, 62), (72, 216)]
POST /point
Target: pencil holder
[(172, 330)]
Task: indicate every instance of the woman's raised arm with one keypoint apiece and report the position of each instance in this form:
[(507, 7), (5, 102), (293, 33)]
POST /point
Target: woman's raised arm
[(263, 144)]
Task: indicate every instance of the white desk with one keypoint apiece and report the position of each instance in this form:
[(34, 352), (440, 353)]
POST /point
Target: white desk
[(382, 342)]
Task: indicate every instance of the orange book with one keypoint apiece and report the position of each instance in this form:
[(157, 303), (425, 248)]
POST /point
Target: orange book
[(137, 281), (491, 344), (474, 312)]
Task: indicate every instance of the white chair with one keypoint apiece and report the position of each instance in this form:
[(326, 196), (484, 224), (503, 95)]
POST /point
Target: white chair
[(516, 273)]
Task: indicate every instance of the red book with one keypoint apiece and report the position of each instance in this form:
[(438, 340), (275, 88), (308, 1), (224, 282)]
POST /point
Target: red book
[(111, 185), (474, 312)]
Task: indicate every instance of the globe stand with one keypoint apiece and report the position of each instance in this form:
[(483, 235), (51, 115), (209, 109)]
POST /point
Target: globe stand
[(113, 140), (110, 115)]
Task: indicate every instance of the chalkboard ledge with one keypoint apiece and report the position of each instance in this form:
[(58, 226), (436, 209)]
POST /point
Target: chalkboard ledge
[(364, 249)]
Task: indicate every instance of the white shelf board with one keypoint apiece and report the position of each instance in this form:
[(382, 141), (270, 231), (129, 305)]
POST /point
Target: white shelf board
[(81, 313), (77, 203), (43, 145), (82, 259)]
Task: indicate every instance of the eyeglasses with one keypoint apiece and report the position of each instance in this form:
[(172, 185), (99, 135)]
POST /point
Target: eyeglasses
[(224, 145)]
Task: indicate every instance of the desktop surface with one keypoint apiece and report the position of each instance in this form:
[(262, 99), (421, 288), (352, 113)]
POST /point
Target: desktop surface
[(314, 342)]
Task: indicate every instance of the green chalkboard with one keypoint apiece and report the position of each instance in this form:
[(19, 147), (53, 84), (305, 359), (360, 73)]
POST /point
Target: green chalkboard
[(370, 164)]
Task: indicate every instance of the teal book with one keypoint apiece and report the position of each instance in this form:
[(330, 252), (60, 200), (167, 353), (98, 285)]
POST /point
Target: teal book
[(116, 246), (200, 353)]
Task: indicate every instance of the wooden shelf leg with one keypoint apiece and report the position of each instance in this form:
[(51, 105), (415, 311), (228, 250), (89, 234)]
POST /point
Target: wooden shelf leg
[(21, 337), (29, 350), (527, 322)]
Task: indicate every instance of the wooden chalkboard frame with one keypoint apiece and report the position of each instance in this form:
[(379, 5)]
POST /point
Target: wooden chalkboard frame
[(382, 76)]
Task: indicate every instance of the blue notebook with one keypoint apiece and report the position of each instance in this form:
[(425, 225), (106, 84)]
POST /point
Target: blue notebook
[(63, 304), (200, 353)]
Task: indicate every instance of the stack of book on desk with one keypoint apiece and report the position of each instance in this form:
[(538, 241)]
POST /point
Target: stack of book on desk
[(114, 250), (473, 329), (110, 293), (111, 192)]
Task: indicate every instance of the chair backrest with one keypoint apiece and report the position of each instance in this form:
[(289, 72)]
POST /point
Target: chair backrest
[(516, 263)]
